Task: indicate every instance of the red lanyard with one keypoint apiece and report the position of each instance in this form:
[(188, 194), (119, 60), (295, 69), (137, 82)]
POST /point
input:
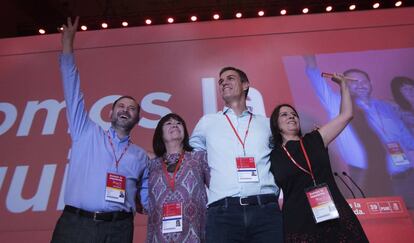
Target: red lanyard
[(310, 172), (117, 160), (237, 134), (171, 180)]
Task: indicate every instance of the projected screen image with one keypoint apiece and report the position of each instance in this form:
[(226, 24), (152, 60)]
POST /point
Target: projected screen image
[(377, 148)]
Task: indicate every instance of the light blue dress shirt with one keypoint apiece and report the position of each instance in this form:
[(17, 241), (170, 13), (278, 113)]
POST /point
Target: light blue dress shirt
[(380, 115), (92, 157), (213, 133)]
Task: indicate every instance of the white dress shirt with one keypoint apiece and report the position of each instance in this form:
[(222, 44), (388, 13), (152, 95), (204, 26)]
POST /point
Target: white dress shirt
[(213, 133)]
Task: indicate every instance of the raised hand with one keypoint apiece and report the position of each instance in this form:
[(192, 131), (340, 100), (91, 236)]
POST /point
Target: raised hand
[(332, 129), (339, 78), (68, 34)]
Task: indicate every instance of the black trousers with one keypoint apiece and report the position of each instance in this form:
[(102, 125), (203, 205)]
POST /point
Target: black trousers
[(244, 224), (74, 228)]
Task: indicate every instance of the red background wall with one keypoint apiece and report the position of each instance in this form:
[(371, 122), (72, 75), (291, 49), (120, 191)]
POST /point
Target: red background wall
[(171, 59)]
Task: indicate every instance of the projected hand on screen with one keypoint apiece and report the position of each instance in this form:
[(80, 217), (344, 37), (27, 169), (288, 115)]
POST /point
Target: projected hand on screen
[(377, 144), (68, 34), (332, 129)]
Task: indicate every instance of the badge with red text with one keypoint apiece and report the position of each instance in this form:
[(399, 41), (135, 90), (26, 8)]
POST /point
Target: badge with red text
[(115, 188), (246, 169), (321, 203), (172, 218), (398, 156)]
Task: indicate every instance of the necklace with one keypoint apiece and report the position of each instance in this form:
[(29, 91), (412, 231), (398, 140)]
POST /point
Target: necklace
[(171, 167)]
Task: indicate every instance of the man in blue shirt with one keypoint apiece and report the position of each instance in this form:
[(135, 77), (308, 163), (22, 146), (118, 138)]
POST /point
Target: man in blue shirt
[(243, 196), (377, 146), (105, 166)]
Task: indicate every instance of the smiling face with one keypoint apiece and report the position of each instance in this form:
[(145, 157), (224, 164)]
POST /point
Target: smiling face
[(407, 91), (173, 130), (124, 114), (361, 87), (288, 121), (231, 87)]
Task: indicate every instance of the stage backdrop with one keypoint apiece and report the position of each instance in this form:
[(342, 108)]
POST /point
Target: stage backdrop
[(174, 68)]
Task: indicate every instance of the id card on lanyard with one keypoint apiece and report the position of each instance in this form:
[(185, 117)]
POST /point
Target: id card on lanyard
[(398, 156), (115, 188), (172, 218), (116, 183), (246, 169), (172, 213), (319, 197), (246, 165), (321, 203)]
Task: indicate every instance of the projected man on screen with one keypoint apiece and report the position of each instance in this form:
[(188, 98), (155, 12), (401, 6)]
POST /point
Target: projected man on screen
[(377, 146), (104, 167), (242, 197)]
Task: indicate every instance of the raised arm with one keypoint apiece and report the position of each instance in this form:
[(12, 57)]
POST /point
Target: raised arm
[(332, 129), (68, 35), (328, 98), (75, 105)]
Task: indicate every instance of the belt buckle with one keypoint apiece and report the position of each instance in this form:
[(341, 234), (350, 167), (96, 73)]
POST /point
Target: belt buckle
[(241, 203), (94, 217)]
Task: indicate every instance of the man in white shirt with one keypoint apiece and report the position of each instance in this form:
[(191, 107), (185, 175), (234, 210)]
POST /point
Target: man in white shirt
[(243, 197)]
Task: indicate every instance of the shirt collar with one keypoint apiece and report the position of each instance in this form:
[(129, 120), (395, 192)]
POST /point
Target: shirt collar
[(372, 103), (246, 112), (115, 137)]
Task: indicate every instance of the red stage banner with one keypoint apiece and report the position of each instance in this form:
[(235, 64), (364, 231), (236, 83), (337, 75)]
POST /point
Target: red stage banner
[(384, 219)]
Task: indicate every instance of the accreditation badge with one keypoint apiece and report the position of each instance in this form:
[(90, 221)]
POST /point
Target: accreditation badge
[(321, 203), (398, 156), (115, 188), (172, 218), (246, 169)]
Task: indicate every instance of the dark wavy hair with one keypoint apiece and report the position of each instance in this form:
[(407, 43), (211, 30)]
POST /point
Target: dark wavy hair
[(276, 139), (242, 75), (396, 84), (158, 144)]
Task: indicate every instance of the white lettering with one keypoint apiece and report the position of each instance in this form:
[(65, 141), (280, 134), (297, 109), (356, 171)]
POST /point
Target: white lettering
[(148, 106), (14, 201), (3, 171), (53, 108), (95, 112), (10, 113), (209, 95), (358, 212)]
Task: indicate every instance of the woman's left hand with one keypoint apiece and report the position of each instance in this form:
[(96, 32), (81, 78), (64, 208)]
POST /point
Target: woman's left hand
[(339, 78)]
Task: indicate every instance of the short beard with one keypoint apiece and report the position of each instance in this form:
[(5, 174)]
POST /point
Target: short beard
[(125, 126)]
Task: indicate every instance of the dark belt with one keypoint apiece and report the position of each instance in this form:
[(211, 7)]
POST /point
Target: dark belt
[(98, 216), (246, 201)]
